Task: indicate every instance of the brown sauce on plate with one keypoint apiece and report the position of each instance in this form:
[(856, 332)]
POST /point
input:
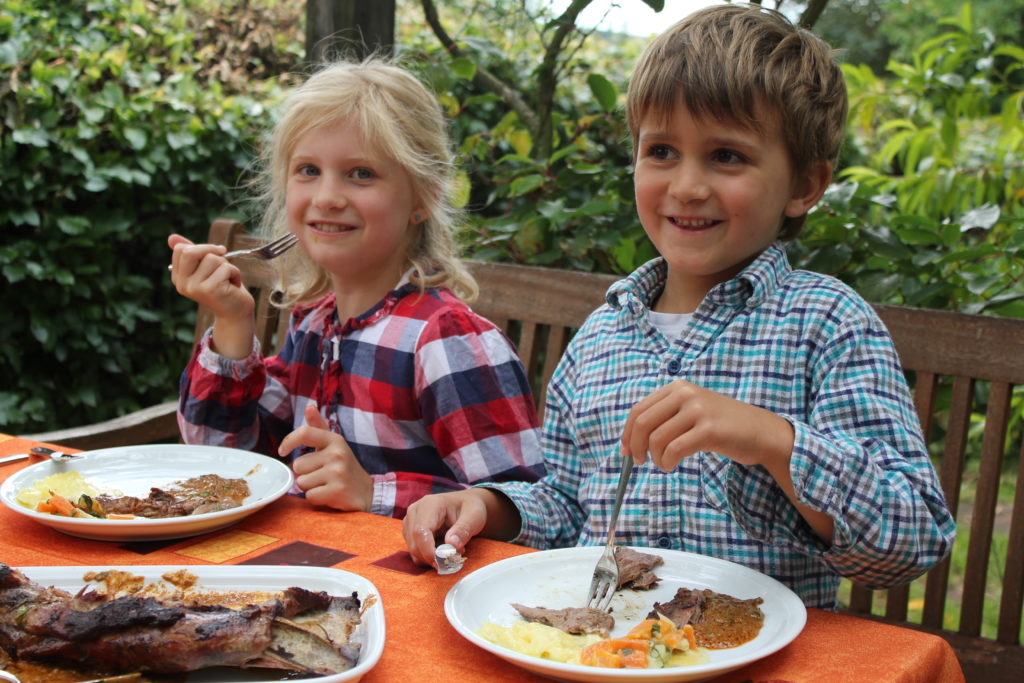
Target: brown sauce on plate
[(727, 621), (212, 487)]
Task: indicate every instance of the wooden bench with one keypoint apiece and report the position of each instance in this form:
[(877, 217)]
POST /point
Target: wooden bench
[(945, 354)]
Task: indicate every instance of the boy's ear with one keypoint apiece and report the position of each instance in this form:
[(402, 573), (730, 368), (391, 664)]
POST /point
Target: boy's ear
[(808, 189)]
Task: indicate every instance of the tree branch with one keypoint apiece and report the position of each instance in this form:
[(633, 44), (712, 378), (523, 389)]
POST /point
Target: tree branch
[(812, 13), (482, 77), (547, 74)]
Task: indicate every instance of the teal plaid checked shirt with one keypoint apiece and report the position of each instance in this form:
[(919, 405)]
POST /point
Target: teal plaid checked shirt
[(800, 344)]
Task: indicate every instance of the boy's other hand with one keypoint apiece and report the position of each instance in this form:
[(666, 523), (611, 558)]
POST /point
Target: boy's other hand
[(682, 418), (460, 514), (330, 475)]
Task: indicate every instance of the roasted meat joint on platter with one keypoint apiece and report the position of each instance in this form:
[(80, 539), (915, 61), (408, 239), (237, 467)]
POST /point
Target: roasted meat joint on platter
[(119, 623)]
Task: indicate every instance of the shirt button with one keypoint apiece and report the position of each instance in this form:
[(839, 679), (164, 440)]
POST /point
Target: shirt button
[(663, 542), (674, 366)]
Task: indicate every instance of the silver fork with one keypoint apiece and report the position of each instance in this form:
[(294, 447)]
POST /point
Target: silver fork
[(606, 573), (268, 251)]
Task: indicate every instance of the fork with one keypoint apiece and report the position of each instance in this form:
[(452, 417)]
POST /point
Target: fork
[(268, 251), (606, 573)]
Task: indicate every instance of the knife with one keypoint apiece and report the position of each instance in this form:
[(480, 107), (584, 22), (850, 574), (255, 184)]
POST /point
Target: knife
[(13, 458)]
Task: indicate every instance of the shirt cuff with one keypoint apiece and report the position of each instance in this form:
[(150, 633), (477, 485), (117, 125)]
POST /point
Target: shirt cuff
[(213, 362), (385, 492)]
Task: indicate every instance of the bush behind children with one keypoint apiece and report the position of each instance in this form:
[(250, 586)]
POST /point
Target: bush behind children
[(765, 408)]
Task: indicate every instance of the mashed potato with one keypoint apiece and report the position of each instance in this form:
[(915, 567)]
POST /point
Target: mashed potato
[(547, 642), (538, 640), (70, 485)]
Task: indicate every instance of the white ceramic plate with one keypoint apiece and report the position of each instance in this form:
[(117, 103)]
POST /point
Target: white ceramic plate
[(133, 470), (561, 578), (256, 578)]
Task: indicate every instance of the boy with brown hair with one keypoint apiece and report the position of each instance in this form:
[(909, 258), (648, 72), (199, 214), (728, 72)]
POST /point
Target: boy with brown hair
[(764, 407)]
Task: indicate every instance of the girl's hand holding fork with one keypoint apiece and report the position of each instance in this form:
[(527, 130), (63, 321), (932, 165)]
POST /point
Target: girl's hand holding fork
[(199, 272)]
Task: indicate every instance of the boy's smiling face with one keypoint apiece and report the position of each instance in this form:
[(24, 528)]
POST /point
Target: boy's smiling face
[(711, 195)]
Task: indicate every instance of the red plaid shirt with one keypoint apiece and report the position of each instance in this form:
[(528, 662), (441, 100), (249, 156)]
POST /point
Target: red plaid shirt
[(429, 396)]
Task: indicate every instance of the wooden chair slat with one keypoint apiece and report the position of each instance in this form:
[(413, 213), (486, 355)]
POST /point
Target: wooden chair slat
[(896, 602), (950, 477), (1012, 601), (529, 347), (558, 339), (983, 515), (926, 387), (861, 599), (949, 343)]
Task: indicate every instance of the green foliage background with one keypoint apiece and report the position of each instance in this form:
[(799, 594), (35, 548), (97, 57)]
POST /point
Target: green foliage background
[(117, 130), (125, 120)]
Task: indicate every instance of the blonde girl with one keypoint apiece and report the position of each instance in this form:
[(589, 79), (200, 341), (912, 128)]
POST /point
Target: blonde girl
[(388, 387)]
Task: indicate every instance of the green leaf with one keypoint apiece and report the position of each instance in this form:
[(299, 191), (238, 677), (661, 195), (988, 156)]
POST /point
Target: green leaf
[(464, 68), (982, 217), (604, 92), (180, 140), (73, 225), (136, 137), (525, 184), (31, 136), (461, 188), (521, 142)]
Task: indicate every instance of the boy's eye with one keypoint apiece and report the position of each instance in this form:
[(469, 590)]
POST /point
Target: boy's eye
[(727, 156), (659, 152)]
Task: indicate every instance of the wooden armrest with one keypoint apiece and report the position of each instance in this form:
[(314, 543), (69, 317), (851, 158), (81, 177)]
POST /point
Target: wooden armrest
[(155, 424)]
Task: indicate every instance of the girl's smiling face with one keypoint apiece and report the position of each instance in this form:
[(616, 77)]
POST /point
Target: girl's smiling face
[(351, 207), (711, 195)]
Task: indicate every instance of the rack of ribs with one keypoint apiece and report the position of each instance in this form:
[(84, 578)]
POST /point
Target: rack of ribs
[(295, 630)]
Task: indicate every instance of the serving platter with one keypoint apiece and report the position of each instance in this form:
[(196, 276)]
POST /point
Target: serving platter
[(255, 578), (133, 470), (561, 578)]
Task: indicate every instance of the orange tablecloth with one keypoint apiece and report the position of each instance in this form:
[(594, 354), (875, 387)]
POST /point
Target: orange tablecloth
[(832, 647)]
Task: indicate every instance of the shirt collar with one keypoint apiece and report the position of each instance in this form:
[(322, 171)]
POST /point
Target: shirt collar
[(751, 287)]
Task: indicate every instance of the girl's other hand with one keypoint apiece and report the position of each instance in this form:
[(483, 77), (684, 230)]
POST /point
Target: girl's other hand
[(330, 475)]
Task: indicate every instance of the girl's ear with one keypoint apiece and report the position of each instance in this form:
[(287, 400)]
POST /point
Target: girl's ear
[(809, 189)]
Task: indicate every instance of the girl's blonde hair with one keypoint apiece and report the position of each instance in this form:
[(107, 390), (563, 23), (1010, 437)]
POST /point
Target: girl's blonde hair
[(397, 117)]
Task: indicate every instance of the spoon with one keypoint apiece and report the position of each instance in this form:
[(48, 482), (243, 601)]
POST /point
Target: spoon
[(56, 456)]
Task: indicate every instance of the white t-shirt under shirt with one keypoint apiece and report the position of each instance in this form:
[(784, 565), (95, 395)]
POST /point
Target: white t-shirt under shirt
[(670, 324)]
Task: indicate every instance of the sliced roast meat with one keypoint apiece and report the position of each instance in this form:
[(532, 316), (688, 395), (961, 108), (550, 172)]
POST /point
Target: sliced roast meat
[(684, 608), (574, 620), (635, 568)]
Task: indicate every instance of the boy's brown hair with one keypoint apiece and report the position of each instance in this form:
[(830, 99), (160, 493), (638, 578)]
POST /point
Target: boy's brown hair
[(751, 65)]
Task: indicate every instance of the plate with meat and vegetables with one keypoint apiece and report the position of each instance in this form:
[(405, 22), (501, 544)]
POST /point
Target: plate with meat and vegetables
[(193, 624), (676, 617), (147, 493)]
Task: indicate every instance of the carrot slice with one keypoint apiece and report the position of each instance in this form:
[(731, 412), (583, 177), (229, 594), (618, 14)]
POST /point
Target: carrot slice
[(62, 506)]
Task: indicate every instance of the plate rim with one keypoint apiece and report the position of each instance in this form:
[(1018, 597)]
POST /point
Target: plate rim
[(376, 631), (791, 629), (141, 528)]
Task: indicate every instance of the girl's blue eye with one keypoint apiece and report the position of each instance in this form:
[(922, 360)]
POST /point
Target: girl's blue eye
[(307, 170), (362, 174)]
